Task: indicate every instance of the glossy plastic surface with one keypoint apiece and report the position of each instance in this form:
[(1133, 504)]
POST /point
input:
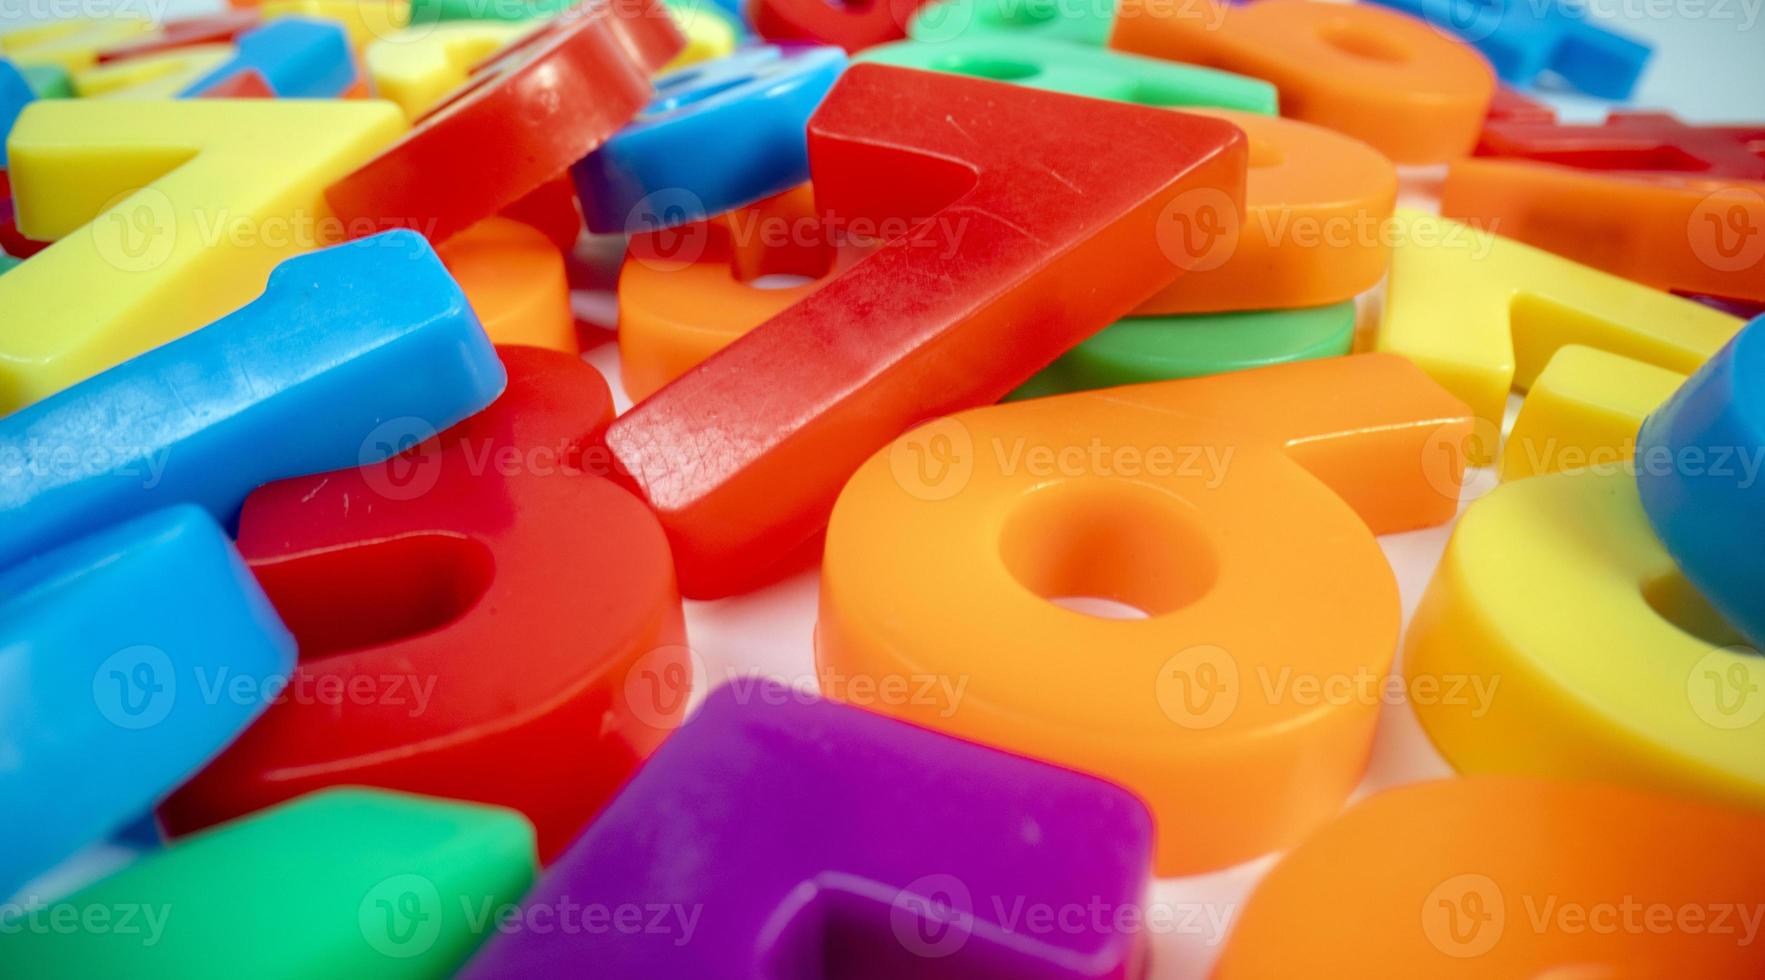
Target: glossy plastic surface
[(556, 94), (295, 382), (403, 578), (752, 106), (1028, 220), (119, 649), (1202, 503), (775, 836), (365, 883), (1699, 463)]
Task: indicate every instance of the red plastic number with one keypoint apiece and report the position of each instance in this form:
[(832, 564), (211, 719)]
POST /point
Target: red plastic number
[(476, 619), (1027, 220)]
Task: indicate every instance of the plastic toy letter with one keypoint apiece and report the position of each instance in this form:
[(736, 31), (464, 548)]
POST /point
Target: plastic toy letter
[(1414, 93), (186, 206), (398, 578), (948, 550), (1483, 314), (1644, 684), (105, 645), (303, 380), (1038, 219), (752, 106), (518, 121), (347, 883), (1523, 40), (1464, 879), (1700, 459), (802, 839)]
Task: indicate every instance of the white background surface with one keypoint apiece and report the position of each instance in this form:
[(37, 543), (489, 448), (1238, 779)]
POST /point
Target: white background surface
[(1709, 65)]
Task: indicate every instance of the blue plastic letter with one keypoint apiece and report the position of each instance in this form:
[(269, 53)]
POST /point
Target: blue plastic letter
[(720, 135), (351, 355), (1698, 468), (128, 659), (297, 57), (1522, 39)]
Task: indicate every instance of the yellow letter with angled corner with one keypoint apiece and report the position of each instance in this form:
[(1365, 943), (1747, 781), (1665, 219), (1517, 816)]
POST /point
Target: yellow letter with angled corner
[(1483, 314), (161, 75), (1583, 411), (1610, 665), (164, 216)]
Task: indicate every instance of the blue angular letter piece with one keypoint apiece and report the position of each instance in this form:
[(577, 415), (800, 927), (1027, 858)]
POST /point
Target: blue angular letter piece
[(1699, 462), (720, 135), (15, 93), (299, 59), (128, 659), (1522, 39), (350, 355)]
